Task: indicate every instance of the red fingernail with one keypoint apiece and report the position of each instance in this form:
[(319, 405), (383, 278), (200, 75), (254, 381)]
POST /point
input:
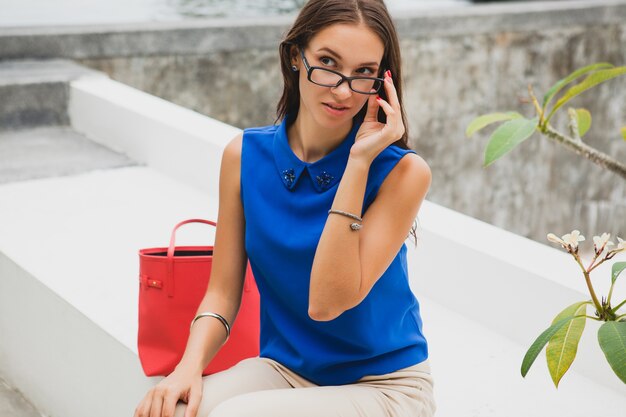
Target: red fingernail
[(388, 73), (378, 98)]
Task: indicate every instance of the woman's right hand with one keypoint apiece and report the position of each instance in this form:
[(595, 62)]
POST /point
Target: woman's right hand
[(161, 400)]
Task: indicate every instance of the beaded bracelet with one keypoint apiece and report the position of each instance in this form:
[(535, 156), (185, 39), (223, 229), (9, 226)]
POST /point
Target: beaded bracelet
[(353, 226)]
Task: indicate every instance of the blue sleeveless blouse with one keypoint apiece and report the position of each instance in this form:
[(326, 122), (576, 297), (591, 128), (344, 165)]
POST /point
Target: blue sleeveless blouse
[(286, 202)]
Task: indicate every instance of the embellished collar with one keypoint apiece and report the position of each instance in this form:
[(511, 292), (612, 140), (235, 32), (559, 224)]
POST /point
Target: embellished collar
[(324, 173)]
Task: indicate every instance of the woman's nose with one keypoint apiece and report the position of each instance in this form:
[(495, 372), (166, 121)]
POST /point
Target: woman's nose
[(342, 90)]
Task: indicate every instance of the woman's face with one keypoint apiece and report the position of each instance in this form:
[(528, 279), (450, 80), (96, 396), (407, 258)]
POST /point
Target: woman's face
[(353, 50)]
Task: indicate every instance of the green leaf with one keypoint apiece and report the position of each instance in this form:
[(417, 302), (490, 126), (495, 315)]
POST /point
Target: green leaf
[(624, 132), (617, 269), (584, 121), (507, 136), (487, 119), (612, 340), (562, 83), (562, 347), (590, 81), (541, 341)]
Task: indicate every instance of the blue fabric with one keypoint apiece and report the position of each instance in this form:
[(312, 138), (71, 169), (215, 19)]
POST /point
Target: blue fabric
[(286, 203)]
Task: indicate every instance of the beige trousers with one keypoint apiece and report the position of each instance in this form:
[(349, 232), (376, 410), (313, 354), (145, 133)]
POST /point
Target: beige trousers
[(262, 387)]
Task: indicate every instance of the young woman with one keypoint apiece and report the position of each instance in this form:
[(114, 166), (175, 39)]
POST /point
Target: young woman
[(321, 205)]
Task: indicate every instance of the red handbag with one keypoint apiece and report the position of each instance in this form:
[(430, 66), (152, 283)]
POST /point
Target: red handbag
[(172, 284)]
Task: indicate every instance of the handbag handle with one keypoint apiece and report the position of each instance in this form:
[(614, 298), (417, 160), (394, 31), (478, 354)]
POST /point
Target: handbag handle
[(170, 253), (170, 250), (170, 256)]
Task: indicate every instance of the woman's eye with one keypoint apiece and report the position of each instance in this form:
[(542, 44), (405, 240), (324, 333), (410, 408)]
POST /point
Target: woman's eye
[(365, 70), (325, 57), (369, 71)]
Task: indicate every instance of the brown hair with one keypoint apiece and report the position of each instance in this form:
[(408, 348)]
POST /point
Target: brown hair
[(318, 14)]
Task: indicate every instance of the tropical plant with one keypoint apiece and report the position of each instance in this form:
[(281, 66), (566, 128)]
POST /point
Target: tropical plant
[(564, 333), (517, 128)]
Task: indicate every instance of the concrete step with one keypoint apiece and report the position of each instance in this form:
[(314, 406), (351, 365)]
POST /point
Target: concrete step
[(36, 92), (52, 151)]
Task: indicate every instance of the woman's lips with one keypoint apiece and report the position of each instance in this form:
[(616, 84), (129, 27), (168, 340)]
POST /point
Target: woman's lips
[(335, 111)]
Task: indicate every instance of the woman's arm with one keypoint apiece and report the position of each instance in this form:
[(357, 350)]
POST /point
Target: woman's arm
[(224, 292), (348, 263)]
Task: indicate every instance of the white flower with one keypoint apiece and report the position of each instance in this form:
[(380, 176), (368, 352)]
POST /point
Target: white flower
[(573, 238), (601, 241), (621, 245), (554, 238)]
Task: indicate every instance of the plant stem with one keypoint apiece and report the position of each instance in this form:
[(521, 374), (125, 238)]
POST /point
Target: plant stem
[(587, 151), (593, 293), (596, 265), (614, 310), (536, 104), (573, 125), (619, 317), (608, 299), (588, 281)]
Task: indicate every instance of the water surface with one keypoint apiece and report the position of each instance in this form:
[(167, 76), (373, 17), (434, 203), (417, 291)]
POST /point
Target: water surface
[(80, 12)]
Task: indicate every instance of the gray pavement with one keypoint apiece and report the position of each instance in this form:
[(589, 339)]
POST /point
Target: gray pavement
[(51, 152)]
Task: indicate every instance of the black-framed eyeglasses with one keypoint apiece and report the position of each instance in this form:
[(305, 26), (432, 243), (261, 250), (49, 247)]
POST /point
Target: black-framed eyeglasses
[(329, 78)]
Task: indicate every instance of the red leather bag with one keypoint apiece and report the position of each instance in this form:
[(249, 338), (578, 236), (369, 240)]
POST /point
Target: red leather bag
[(172, 283)]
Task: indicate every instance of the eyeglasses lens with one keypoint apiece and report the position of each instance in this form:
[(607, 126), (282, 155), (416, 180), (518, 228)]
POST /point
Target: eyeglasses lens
[(330, 79)]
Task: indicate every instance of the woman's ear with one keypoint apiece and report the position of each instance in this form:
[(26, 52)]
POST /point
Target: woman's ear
[(294, 56)]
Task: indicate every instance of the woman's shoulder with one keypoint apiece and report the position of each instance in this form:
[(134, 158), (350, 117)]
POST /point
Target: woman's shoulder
[(391, 155), (260, 130), (232, 150), (397, 159), (259, 136), (256, 142)]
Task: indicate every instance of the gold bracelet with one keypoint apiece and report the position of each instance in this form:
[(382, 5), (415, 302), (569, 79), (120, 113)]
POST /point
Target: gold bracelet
[(217, 316), (353, 226)]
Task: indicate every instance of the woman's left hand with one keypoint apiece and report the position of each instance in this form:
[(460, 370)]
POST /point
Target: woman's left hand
[(374, 136)]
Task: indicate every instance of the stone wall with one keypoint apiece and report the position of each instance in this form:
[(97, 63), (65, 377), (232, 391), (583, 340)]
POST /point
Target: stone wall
[(458, 64)]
